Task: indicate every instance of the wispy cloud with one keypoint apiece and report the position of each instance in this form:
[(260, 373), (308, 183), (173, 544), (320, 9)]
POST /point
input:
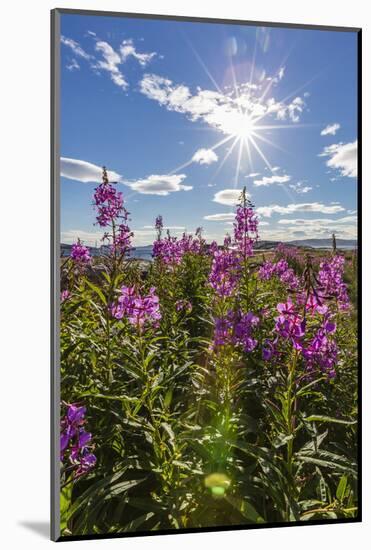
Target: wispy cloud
[(269, 180), (342, 157), (252, 175), (229, 197), (110, 62), (267, 211), (127, 49), (159, 184), (73, 65), (319, 221), (75, 47), (168, 227), (300, 188), (81, 170), (205, 156), (223, 217), (330, 129), (106, 58), (90, 238)]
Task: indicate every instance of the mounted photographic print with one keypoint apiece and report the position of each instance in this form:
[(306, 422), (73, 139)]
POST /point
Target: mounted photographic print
[(205, 318)]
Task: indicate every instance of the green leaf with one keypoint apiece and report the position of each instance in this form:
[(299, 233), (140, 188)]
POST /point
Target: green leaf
[(97, 290), (320, 418), (342, 488)]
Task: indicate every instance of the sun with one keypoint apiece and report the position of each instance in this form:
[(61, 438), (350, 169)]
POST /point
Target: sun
[(237, 124), (244, 126)]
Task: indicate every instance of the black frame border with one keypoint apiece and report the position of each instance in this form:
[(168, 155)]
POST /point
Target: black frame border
[(55, 283)]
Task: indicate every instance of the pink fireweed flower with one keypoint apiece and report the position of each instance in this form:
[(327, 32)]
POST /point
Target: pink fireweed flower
[(243, 331), (121, 241), (235, 328), (80, 254), (75, 442), (280, 269), (171, 250), (330, 281), (245, 230), (289, 324), (322, 351), (225, 272), (65, 294), (109, 204), (312, 305), (138, 310), (108, 201), (183, 305)]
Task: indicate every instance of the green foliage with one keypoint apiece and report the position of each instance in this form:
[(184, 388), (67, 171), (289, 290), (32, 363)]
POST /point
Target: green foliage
[(187, 436)]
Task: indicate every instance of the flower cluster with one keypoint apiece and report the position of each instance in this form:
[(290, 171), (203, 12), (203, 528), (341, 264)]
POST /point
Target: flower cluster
[(282, 270), (290, 325), (139, 310), (330, 281), (108, 202), (322, 352), (245, 230), (171, 250), (317, 349), (236, 328), (121, 240), (225, 272), (75, 442), (80, 254)]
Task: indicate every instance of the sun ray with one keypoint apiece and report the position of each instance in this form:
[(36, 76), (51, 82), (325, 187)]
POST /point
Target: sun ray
[(266, 140), (201, 62), (247, 144), (261, 153), (253, 57), (238, 165), (190, 161), (228, 153)]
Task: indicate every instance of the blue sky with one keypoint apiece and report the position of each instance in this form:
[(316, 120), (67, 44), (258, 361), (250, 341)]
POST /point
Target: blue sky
[(185, 114)]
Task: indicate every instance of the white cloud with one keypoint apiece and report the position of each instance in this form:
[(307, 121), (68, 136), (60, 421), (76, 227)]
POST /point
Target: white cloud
[(229, 197), (81, 170), (159, 184), (319, 221), (111, 61), (73, 65), (283, 111), (226, 216), (272, 179), (224, 112), (252, 175), (84, 171), (267, 211), (300, 188), (127, 49), (90, 238), (330, 129), (343, 157), (177, 228), (75, 47), (205, 156)]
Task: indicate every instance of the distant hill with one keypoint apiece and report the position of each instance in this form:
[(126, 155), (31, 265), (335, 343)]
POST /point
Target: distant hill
[(325, 243), (145, 252)]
